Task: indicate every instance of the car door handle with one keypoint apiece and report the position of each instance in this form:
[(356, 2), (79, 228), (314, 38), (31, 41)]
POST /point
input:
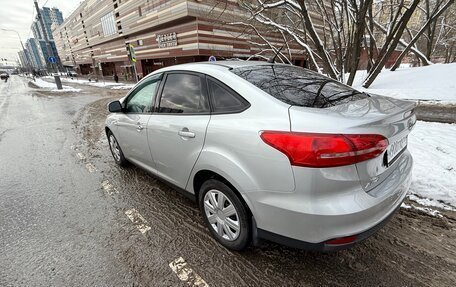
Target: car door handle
[(186, 133)]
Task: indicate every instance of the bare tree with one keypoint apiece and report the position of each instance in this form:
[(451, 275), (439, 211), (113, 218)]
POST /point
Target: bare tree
[(404, 44), (360, 13), (429, 26), (399, 20), (331, 32), (446, 40), (335, 35)]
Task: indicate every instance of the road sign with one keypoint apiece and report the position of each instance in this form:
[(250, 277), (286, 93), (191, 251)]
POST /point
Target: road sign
[(212, 59), (52, 60), (131, 53)]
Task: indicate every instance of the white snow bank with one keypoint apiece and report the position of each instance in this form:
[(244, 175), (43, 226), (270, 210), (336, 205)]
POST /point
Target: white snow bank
[(124, 87), (427, 210), (435, 82), (100, 84), (47, 85), (433, 147)]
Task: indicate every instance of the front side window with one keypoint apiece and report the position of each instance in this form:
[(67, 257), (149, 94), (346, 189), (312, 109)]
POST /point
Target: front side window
[(299, 87), (224, 100), (183, 94), (141, 98)]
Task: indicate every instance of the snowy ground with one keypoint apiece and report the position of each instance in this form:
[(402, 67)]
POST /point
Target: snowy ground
[(52, 86), (103, 84), (432, 83), (433, 146)]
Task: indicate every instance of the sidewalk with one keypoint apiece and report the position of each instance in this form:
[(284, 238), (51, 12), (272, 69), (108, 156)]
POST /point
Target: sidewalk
[(100, 79), (83, 80)]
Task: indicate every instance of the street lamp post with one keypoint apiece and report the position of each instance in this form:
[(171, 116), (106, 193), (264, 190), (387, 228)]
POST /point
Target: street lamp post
[(23, 49), (48, 47)]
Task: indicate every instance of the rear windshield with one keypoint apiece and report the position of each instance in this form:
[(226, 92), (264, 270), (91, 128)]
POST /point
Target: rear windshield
[(299, 87)]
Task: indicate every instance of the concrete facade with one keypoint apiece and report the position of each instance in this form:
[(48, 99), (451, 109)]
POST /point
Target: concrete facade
[(162, 33)]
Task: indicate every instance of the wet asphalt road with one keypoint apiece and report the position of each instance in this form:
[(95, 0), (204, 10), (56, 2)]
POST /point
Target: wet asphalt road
[(63, 220), (55, 228)]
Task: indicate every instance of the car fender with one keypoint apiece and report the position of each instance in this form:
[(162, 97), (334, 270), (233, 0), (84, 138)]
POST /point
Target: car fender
[(110, 124), (234, 173), (233, 170)]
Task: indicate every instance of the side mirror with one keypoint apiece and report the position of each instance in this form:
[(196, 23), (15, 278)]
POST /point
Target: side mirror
[(115, 107)]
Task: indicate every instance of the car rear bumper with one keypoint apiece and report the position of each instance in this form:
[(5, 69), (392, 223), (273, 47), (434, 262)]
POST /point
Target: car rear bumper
[(322, 246), (307, 218)]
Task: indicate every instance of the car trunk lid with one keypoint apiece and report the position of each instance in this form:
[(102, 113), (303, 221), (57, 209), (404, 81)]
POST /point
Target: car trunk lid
[(391, 118)]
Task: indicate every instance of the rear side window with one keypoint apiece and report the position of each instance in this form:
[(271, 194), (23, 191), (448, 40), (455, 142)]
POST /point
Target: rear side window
[(299, 87), (183, 94), (224, 100)]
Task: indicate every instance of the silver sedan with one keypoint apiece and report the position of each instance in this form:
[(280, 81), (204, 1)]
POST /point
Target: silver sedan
[(269, 151)]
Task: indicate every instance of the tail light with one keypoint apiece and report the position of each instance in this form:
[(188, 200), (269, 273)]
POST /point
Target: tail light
[(325, 150), (341, 240)]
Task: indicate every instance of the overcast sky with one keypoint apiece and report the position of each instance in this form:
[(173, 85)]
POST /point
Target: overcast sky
[(19, 15)]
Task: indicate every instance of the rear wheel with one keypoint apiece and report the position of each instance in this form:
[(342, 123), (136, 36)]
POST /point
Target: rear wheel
[(224, 214), (116, 151)]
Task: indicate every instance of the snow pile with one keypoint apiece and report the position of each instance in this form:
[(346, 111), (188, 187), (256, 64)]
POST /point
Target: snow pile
[(124, 87), (53, 87), (100, 84), (435, 82), (433, 147), (430, 202), (426, 210)]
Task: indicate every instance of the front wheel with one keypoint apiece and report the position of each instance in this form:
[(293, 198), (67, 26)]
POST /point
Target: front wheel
[(224, 214), (116, 151)]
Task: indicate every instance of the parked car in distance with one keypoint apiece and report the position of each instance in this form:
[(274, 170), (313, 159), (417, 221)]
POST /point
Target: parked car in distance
[(4, 75), (269, 151)]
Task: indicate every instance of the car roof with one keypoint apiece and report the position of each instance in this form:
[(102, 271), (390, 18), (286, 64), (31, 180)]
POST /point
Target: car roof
[(225, 64), (239, 63)]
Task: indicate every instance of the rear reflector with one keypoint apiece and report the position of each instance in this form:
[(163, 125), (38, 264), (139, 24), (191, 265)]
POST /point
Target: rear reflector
[(341, 240), (325, 150)]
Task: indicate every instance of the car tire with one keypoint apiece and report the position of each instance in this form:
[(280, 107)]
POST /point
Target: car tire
[(116, 151), (225, 215)]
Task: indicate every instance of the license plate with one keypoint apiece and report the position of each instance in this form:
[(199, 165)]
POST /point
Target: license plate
[(396, 148)]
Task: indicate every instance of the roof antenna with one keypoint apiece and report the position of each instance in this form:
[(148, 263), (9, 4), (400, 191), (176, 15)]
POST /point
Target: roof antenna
[(272, 60)]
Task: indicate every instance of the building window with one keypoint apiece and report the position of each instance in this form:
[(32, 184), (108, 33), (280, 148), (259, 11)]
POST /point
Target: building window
[(139, 11), (108, 24)]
